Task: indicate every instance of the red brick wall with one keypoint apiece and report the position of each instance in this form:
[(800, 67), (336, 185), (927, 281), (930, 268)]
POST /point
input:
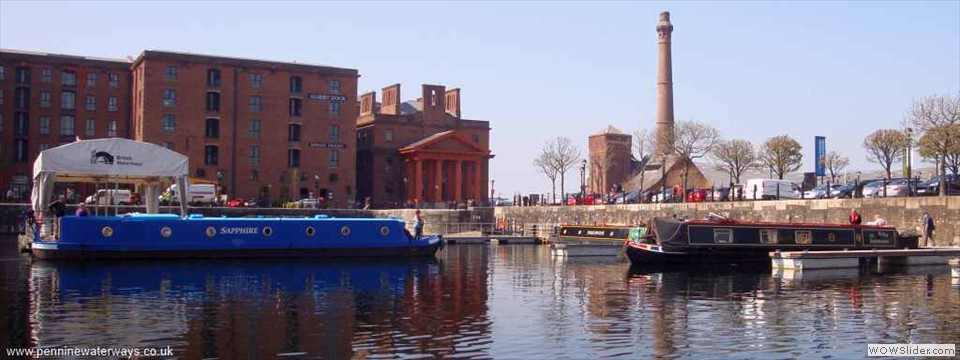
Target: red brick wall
[(102, 91)]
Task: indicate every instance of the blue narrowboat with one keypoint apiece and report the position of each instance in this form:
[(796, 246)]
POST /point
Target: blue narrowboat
[(171, 236)]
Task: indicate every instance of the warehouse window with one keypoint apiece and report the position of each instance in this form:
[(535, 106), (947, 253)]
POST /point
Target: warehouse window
[(296, 107), (68, 78), (168, 123), (213, 77), (213, 101), (211, 155), (293, 158), (67, 124), (296, 84), (293, 132), (212, 129)]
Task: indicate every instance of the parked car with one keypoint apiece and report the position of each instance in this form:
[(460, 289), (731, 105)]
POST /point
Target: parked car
[(756, 189), (697, 195), (820, 192), (201, 194), (845, 191), (900, 187), (236, 203), (872, 188), (110, 197), (308, 203), (932, 186), (630, 197)]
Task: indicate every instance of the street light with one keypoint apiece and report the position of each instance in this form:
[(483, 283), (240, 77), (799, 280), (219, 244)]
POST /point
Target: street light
[(219, 184), (316, 185), (583, 179)]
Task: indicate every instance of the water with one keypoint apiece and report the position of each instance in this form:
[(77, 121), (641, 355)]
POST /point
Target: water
[(506, 301)]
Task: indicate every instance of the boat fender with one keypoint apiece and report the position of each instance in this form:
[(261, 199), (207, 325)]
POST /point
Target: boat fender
[(106, 231), (211, 231), (166, 231), (384, 231), (311, 231), (267, 231), (345, 230)]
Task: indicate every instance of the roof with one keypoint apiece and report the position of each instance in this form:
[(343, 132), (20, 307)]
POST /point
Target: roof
[(62, 57), (246, 62), (428, 140), (422, 144), (110, 158), (652, 176), (411, 107)]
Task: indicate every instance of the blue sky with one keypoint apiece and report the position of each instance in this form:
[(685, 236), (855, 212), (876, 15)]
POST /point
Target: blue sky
[(538, 70)]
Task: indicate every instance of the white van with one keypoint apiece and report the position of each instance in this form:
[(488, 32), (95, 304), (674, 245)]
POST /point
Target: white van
[(104, 197), (198, 194), (770, 188)]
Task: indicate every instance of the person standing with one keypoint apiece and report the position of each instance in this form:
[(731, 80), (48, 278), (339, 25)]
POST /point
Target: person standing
[(855, 218), (57, 208), (418, 226), (927, 226)]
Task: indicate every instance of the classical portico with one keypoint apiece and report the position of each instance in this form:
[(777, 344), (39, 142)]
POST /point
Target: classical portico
[(444, 167)]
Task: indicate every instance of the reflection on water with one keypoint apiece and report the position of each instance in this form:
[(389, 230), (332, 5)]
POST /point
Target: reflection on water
[(509, 301)]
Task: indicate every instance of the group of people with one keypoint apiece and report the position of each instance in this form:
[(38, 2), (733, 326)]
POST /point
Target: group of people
[(927, 225)]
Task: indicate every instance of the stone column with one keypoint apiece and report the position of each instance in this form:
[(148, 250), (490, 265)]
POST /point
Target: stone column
[(458, 181), (438, 183), (476, 181), (418, 180), (664, 140)]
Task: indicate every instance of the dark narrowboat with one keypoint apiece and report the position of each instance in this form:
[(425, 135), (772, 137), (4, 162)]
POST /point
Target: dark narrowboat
[(724, 240), (595, 240)]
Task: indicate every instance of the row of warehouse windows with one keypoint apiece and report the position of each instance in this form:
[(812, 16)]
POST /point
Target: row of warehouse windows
[(68, 100), (67, 126), (67, 77), (212, 156), (256, 80)]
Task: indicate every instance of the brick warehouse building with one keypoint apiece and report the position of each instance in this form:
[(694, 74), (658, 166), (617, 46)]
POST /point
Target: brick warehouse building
[(420, 151), (610, 160), (49, 99), (255, 127)]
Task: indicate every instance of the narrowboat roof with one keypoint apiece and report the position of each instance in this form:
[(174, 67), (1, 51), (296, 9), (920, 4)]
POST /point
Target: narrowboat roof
[(729, 223)]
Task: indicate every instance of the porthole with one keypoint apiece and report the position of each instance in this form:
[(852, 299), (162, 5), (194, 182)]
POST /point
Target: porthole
[(107, 231), (211, 231), (311, 231), (345, 230), (166, 231), (267, 231), (384, 230), (832, 237)]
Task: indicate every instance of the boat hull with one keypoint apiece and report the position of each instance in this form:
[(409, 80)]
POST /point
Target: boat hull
[(169, 236), (585, 240)]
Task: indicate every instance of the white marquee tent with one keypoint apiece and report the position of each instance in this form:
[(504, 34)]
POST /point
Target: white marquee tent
[(112, 160)]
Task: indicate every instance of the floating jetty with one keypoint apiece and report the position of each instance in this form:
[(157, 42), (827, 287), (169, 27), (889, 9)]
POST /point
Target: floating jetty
[(827, 259)]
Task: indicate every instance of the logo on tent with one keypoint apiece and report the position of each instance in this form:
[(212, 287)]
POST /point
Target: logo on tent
[(101, 157)]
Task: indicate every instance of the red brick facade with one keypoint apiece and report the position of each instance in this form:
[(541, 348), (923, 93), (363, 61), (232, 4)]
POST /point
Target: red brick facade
[(255, 127), (48, 99), (393, 137), (258, 118), (609, 160)]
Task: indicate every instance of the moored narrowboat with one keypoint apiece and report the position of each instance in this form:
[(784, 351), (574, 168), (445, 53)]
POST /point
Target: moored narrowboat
[(595, 240), (170, 236), (724, 240)]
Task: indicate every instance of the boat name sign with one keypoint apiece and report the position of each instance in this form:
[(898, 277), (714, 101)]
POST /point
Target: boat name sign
[(239, 230)]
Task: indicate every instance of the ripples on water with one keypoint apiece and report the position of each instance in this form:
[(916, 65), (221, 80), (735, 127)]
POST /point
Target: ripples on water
[(507, 301)]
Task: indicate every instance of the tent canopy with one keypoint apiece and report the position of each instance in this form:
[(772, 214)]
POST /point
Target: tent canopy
[(112, 160), (115, 158)]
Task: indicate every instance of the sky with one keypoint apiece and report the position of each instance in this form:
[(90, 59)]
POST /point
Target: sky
[(539, 70)]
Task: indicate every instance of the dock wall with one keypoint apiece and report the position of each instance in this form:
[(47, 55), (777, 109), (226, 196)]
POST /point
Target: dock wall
[(904, 213)]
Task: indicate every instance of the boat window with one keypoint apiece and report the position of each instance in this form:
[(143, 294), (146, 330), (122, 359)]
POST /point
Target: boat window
[(768, 236), (878, 237), (723, 236), (804, 237)]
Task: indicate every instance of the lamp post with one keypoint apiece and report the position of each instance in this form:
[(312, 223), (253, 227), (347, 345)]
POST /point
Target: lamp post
[(908, 166), (219, 184), (492, 189), (856, 188), (583, 179), (316, 185)]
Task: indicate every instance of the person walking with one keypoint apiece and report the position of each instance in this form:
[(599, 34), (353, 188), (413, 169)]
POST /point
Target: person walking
[(418, 226), (927, 226), (57, 208)]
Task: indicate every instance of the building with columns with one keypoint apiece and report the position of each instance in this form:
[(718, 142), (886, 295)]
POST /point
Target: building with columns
[(421, 151)]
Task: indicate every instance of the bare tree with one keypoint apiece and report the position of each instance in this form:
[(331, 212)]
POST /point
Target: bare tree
[(565, 157), (734, 157), (644, 144), (942, 143), (781, 154), (940, 112), (546, 164), (934, 111), (886, 147), (693, 140), (835, 163)]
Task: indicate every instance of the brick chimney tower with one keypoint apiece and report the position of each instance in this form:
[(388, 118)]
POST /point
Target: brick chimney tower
[(664, 144)]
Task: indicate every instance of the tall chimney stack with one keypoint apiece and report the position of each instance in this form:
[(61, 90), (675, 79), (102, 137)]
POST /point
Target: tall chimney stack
[(664, 140)]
